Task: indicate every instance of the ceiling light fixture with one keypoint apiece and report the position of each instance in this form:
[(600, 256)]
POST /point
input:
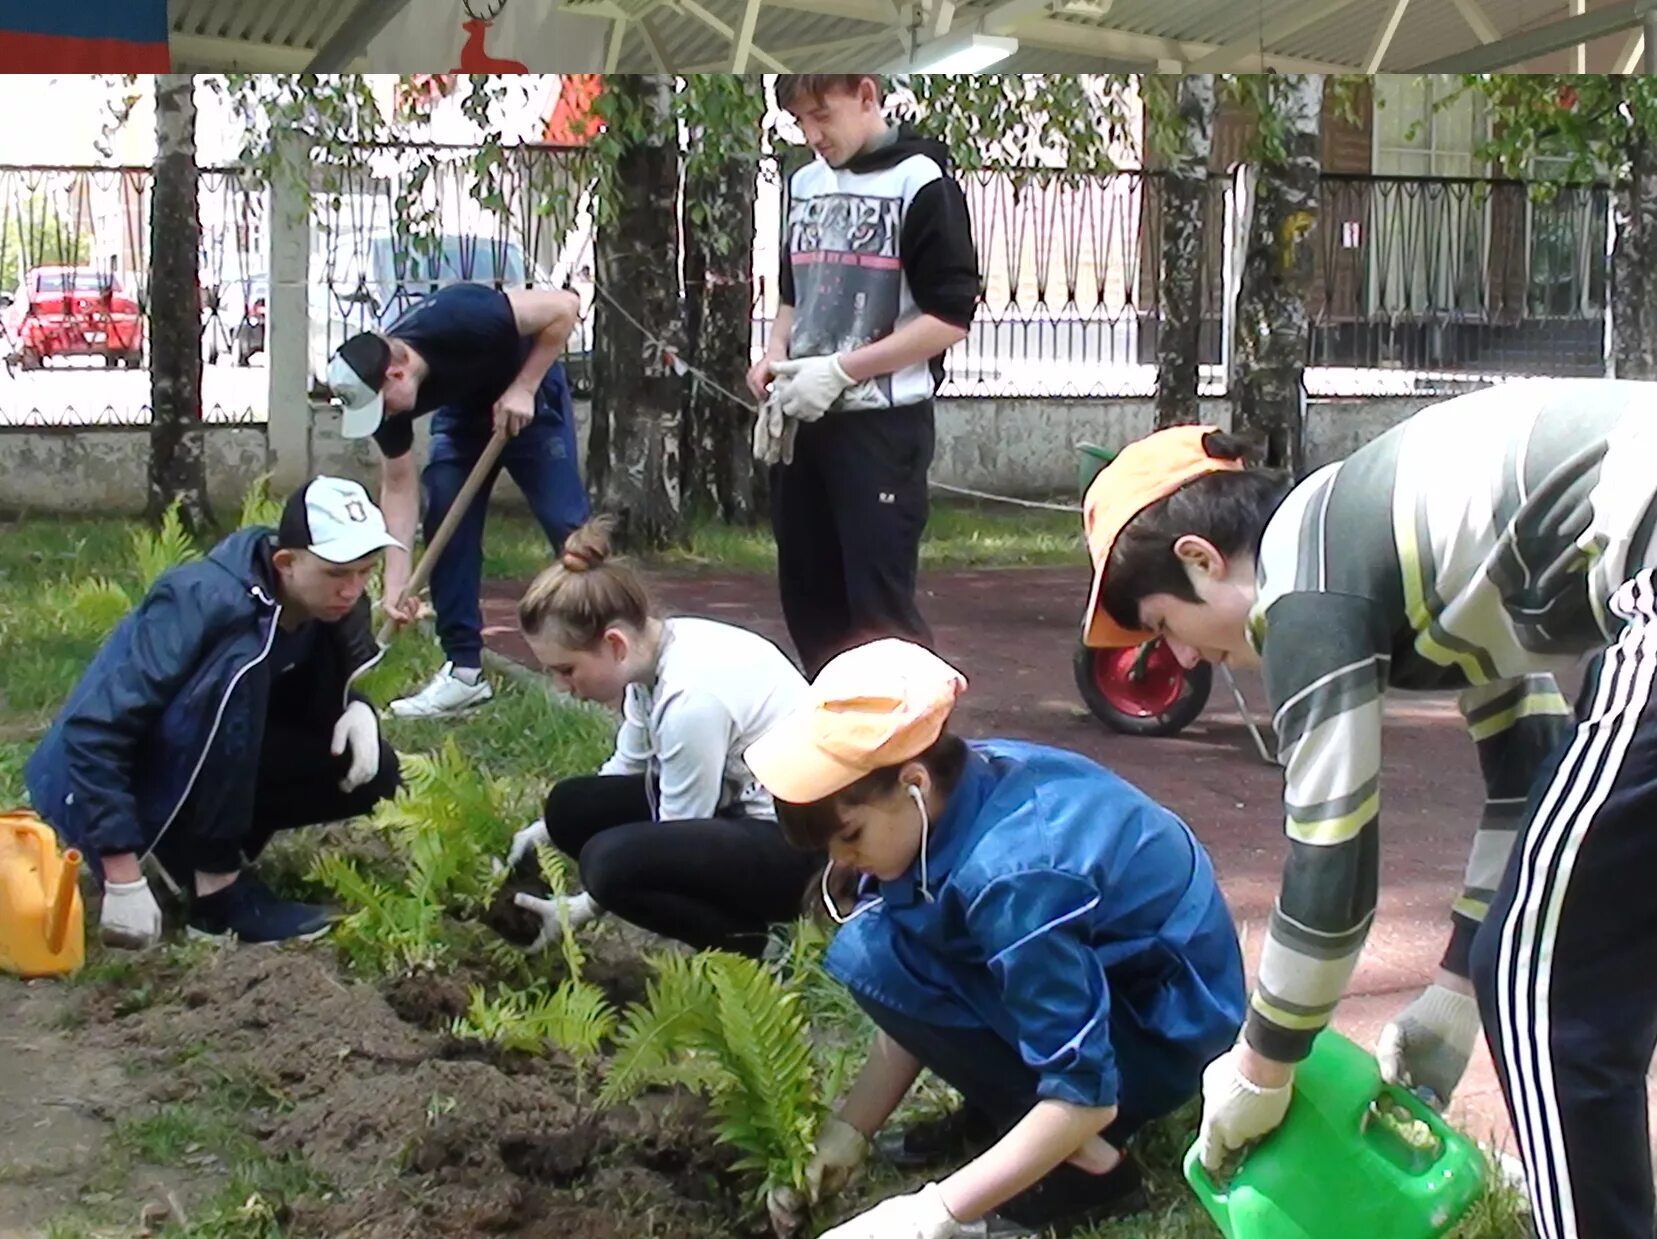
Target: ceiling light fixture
[(957, 53)]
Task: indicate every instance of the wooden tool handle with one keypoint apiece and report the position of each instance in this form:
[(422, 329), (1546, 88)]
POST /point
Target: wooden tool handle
[(451, 519)]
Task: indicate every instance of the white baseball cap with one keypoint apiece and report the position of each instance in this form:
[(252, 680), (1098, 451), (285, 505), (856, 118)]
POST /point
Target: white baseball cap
[(333, 519), (356, 375)]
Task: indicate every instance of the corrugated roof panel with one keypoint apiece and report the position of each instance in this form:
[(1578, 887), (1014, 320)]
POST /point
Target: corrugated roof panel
[(688, 41), (290, 23), (1219, 22), (1423, 41), (1344, 36), (1430, 28)]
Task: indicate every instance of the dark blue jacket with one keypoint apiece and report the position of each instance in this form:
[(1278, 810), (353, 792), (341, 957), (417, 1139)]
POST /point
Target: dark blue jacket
[(173, 707), (1060, 907)]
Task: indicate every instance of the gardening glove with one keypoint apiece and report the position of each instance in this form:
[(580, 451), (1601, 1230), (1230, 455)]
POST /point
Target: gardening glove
[(559, 915), (526, 841), (920, 1216), (358, 731), (810, 386), (131, 918), (841, 1150), (773, 433), (1235, 1110), (1427, 1046)]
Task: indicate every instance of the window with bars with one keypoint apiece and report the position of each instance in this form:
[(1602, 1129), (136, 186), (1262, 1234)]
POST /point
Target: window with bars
[(1429, 234)]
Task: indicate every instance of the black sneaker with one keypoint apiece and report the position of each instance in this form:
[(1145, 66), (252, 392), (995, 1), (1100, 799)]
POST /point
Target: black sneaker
[(951, 1137), (248, 910), (1068, 1200)]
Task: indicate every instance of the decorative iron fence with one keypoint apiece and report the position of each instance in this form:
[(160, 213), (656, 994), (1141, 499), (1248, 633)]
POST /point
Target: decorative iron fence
[(1416, 278), (1461, 275)]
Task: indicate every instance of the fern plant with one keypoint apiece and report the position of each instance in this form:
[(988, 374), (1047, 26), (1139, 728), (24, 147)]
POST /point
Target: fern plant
[(156, 550), (87, 609), (447, 828), (576, 1018), (449, 823), (555, 872), (259, 507), (726, 1026), (389, 930)]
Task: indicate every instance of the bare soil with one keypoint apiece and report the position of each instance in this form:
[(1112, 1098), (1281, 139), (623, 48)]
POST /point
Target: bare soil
[(414, 1131)]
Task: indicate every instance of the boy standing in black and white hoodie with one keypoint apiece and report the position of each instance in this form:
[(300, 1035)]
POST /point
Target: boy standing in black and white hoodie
[(879, 278)]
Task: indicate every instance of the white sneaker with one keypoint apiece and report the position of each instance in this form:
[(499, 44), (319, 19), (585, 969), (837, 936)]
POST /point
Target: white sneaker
[(446, 694)]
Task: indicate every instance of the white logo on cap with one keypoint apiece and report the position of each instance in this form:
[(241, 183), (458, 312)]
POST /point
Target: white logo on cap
[(355, 510)]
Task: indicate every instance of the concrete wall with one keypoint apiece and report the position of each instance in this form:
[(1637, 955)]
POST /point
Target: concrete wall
[(1006, 447)]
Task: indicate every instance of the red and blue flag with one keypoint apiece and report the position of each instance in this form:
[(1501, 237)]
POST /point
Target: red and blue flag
[(84, 36)]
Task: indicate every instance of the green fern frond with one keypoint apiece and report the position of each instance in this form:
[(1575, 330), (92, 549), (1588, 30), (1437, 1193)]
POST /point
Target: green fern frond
[(158, 550), (259, 507), (389, 929), (769, 1109), (665, 1024), (725, 1024), (555, 869), (577, 1018), (96, 605)]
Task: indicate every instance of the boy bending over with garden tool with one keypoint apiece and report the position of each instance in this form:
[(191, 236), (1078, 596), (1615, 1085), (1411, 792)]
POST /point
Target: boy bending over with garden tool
[(1032, 929), (221, 711), (484, 363), (1489, 540)]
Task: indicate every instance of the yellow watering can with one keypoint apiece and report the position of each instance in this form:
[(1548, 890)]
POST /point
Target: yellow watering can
[(42, 921)]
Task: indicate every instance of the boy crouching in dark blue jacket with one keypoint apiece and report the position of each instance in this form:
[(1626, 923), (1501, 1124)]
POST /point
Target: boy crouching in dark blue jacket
[(219, 712)]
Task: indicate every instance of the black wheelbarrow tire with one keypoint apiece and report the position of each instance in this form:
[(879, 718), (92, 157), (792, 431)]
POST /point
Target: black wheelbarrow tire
[(1164, 702)]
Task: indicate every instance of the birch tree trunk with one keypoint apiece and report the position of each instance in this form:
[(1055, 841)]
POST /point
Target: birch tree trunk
[(1180, 287), (177, 470), (634, 449), (1273, 319)]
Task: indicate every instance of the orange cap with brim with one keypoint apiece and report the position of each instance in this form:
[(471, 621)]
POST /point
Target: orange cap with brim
[(878, 705), (1145, 471)]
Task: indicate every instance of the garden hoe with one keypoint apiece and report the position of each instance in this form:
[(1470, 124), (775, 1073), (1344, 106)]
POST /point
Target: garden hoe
[(423, 570)]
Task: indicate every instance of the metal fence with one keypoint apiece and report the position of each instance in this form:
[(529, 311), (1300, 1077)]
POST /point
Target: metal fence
[(1461, 276), (1417, 279), (74, 294)]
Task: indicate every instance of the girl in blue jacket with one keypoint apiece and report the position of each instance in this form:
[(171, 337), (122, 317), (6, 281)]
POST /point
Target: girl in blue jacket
[(1031, 928)]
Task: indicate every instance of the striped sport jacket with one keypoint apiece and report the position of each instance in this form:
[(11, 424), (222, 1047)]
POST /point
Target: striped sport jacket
[(1474, 546)]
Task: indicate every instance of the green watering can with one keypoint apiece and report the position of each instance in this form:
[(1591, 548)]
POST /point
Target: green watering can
[(1356, 1158)]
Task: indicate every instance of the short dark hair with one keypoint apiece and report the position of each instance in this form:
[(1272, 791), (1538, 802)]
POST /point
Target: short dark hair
[(809, 827), (795, 88), (1229, 508)]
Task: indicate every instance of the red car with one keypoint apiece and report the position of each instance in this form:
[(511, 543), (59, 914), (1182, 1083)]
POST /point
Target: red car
[(73, 312)]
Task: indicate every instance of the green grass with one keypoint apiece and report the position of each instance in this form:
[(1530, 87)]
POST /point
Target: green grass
[(959, 535)]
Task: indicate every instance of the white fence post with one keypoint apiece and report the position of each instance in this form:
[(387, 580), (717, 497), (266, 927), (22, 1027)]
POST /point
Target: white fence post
[(288, 333)]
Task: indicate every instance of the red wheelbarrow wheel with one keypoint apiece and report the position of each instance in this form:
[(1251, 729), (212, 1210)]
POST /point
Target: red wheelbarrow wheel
[(1142, 691)]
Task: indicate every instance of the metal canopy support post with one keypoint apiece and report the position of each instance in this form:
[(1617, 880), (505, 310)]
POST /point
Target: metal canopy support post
[(1515, 48), (366, 20)]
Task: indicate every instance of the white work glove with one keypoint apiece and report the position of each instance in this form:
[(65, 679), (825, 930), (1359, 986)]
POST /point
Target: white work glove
[(526, 841), (808, 387), (559, 915), (920, 1216), (358, 730), (774, 433), (1426, 1047), (841, 1151), (131, 918), (1235, 1110)]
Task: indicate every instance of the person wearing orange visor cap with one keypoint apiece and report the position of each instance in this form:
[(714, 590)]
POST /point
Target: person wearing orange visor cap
[(1483, 544), (1028, 926)]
